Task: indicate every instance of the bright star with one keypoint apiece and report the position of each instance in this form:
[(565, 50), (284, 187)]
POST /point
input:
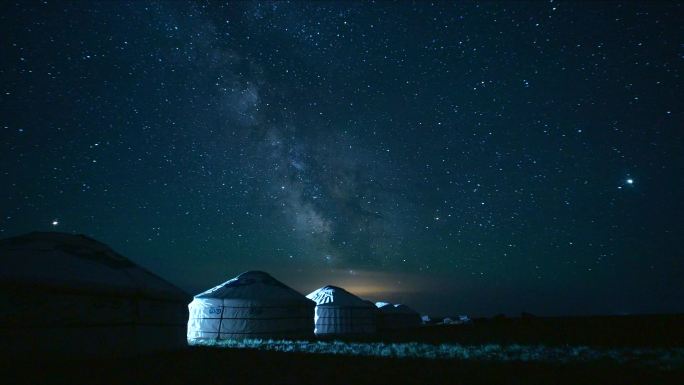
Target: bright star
[(630, 181), (55, 222)]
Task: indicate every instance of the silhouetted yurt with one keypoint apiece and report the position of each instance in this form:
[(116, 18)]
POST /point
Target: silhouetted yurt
[(251, 305), (70, 295), (397, 317), (338, 312)]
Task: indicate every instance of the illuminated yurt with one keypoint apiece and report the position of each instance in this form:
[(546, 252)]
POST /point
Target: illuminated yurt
[(70, 295), (396, 317), (251, 305), (339, 312)]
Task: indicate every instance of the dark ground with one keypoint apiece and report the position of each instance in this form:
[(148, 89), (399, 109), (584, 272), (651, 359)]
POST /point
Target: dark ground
[(229, 366), (652, 331)]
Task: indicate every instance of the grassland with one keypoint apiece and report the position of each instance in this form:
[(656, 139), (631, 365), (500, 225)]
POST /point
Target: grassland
[(662, 358), (598, 350)]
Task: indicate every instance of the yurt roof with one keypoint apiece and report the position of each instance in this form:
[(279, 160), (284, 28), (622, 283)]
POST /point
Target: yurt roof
[(403, 309), (370, 303), (76, 263), (387, 307), (254, 285), (336, 296)]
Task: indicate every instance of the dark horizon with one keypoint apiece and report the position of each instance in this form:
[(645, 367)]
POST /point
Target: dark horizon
[(461, 158)]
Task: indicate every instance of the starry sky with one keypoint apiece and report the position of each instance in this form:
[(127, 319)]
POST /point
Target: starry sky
[(459, 157)]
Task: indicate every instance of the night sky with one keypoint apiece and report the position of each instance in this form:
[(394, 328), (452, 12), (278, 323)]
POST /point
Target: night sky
[(461, 158)]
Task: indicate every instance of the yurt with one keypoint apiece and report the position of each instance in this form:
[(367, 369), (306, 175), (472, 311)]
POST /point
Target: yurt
[(251, 305), (72, 296), (396, 317), (339, 312)]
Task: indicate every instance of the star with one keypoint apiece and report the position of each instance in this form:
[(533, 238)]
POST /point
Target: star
[(55, 222), (629, 181)]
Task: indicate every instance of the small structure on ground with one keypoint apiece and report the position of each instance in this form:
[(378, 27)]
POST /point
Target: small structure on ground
[(458, 320), (251, 305), (339, 312)]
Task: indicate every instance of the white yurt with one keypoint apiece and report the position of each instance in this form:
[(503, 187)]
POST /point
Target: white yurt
[(339, 312), (251, 305), (70, 295), (396, 317)]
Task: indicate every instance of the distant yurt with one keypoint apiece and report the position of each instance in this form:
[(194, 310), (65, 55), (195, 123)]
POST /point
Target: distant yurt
[(251, 305), (339, 312), (396, 317), (72, 296)]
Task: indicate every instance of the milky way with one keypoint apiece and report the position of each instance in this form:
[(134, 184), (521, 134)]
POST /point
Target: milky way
[(459, 157)]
